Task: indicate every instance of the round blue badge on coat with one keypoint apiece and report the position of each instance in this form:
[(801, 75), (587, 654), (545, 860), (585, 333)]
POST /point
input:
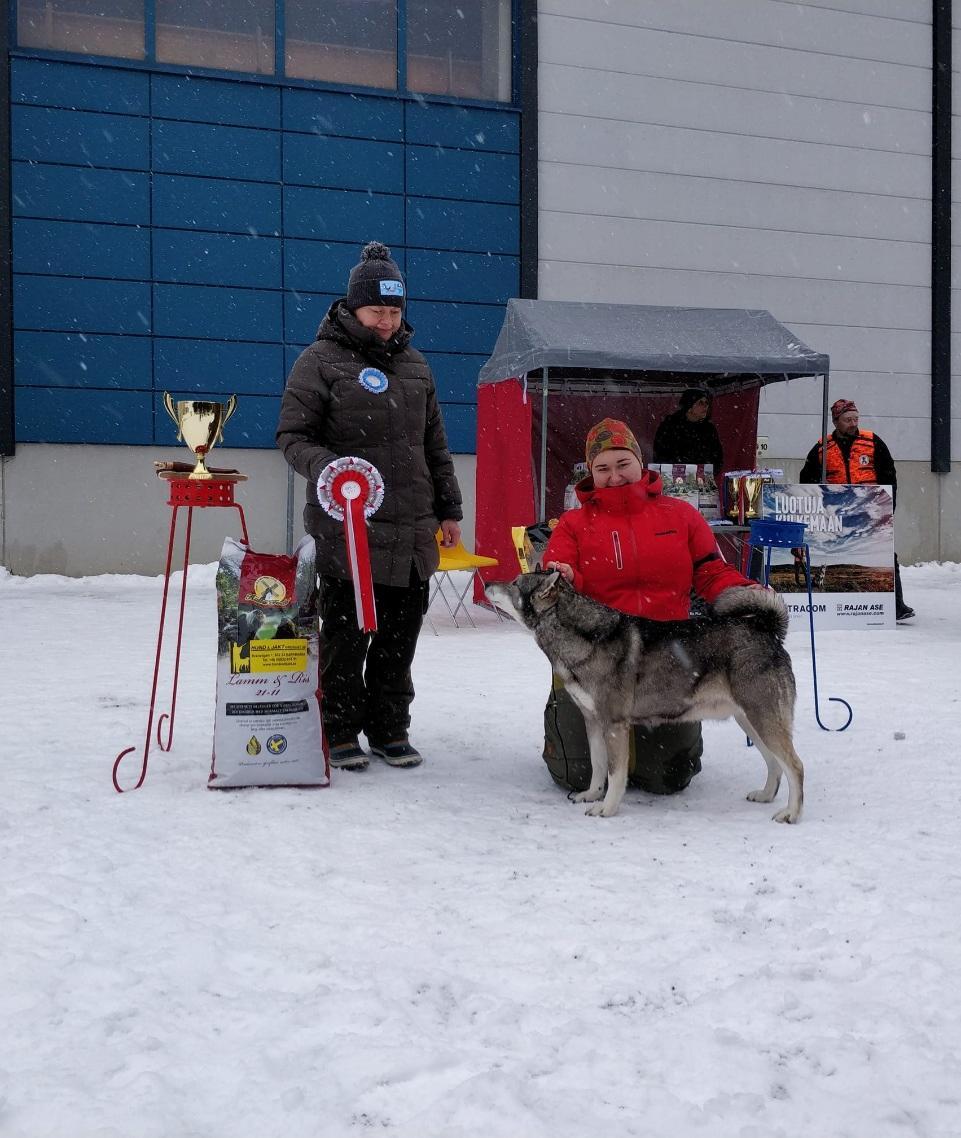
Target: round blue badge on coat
[(373, 380)]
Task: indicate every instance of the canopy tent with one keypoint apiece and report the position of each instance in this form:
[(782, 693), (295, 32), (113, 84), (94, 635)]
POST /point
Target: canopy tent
[(729, 348), (559, 366)]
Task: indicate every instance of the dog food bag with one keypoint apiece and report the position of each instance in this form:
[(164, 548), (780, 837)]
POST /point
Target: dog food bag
[(268, 729)]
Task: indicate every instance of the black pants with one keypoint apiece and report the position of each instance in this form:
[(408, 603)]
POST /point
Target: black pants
[(899, 604), (365, 676)]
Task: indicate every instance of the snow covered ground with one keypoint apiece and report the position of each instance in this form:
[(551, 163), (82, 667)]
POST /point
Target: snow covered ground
[(458, 950)]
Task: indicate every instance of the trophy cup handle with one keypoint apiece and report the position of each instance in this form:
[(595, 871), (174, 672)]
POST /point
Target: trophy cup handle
[(172, 411), (229, 408)]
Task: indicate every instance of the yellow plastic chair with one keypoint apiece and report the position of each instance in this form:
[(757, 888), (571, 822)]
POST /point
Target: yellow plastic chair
[(456, 560)]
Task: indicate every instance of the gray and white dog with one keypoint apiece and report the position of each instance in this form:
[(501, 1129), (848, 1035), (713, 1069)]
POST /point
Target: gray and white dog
[(622, 669)]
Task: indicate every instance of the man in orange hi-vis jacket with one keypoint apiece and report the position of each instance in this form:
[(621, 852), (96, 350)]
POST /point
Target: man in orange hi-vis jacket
[(855, 456)]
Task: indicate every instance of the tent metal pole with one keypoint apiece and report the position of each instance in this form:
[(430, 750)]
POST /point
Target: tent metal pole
[(941, 240), (542, 512), (290, 509), (7, 420), (824, 427)]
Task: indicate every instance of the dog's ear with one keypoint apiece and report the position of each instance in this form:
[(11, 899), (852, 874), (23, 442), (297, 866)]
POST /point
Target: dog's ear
[(546, 595)]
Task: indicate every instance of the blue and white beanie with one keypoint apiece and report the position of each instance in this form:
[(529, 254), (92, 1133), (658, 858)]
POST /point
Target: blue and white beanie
[(376, 280)]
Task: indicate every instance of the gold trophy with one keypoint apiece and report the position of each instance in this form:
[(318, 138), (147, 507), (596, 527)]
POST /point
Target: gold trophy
[(200, 425), (744, 496)]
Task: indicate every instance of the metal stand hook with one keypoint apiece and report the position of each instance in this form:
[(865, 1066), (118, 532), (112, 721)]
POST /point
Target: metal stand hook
[(192, 495), (768, 535), (814, 666)]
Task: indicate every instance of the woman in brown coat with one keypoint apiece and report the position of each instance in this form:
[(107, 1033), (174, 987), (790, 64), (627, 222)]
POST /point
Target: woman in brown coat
[(360, 389)]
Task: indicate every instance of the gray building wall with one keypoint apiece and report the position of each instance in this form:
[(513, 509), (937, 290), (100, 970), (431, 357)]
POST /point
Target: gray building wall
[(115, 518), (763, 154)]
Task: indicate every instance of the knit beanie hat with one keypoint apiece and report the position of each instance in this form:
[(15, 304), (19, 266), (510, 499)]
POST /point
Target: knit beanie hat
[(691, 396), (610, 434), (839, 406), (376, 280)]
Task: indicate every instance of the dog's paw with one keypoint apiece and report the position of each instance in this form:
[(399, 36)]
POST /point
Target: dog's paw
[(762, 795), (602, 810), (589, 795), (787, 815)]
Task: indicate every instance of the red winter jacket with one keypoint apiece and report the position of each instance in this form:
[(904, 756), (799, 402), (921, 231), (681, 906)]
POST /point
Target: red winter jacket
[(640, 552)]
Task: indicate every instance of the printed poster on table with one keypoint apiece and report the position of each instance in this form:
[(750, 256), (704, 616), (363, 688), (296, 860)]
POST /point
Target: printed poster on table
[(850, 535), (692, 482)]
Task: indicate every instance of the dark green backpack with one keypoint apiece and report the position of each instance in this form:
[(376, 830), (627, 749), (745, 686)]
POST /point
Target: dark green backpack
[(664, 759)]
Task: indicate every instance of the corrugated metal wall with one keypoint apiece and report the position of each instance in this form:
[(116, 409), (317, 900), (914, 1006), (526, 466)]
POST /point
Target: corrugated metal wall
[(752, 153), (187, 234)]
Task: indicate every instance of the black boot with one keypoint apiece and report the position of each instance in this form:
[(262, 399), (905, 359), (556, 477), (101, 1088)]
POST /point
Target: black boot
[(902, 612)]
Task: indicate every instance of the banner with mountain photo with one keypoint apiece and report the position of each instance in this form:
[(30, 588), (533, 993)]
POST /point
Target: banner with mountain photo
[(850, 537)]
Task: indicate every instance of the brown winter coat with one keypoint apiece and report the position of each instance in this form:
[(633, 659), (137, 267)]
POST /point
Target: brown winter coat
[(326, 413)]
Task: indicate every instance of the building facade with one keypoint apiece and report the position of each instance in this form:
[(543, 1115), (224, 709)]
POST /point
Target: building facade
[(190, 186), (191, 182), (784, 156)]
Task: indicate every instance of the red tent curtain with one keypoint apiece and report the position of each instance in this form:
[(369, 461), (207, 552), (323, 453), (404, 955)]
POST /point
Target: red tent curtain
[(505, 478)]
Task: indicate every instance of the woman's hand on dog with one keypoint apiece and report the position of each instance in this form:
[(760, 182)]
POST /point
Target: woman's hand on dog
[(563, 568)]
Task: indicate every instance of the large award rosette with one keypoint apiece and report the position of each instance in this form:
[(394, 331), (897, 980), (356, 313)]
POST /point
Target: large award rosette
[(350, 490)]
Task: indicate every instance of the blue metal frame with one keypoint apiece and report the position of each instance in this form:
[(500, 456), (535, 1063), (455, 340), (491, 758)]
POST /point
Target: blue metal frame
[(123, 348), (768, 535), (280, 33), (401, 46), (6, 255), (149, 63), (149, 29)]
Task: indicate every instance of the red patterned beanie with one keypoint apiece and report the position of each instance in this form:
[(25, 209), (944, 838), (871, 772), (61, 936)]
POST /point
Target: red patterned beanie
[(610, 434), (839, 406)]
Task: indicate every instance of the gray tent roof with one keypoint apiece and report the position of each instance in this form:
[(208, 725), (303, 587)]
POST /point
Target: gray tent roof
[(737, 347)]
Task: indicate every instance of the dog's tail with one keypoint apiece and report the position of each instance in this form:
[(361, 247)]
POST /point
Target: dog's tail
[(763, 606)]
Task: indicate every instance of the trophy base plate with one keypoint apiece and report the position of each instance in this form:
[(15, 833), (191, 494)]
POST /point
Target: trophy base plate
[(181, 472)]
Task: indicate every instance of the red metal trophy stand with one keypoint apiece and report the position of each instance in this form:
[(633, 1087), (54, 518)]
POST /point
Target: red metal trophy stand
[(193, 494)]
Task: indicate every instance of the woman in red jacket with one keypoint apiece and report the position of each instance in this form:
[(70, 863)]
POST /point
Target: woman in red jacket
[(642, 553)]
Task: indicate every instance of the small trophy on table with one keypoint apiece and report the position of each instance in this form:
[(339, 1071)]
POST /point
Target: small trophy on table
[(200, 425)]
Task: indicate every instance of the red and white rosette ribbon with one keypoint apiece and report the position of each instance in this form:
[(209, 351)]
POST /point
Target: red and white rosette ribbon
[(350, 490)]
